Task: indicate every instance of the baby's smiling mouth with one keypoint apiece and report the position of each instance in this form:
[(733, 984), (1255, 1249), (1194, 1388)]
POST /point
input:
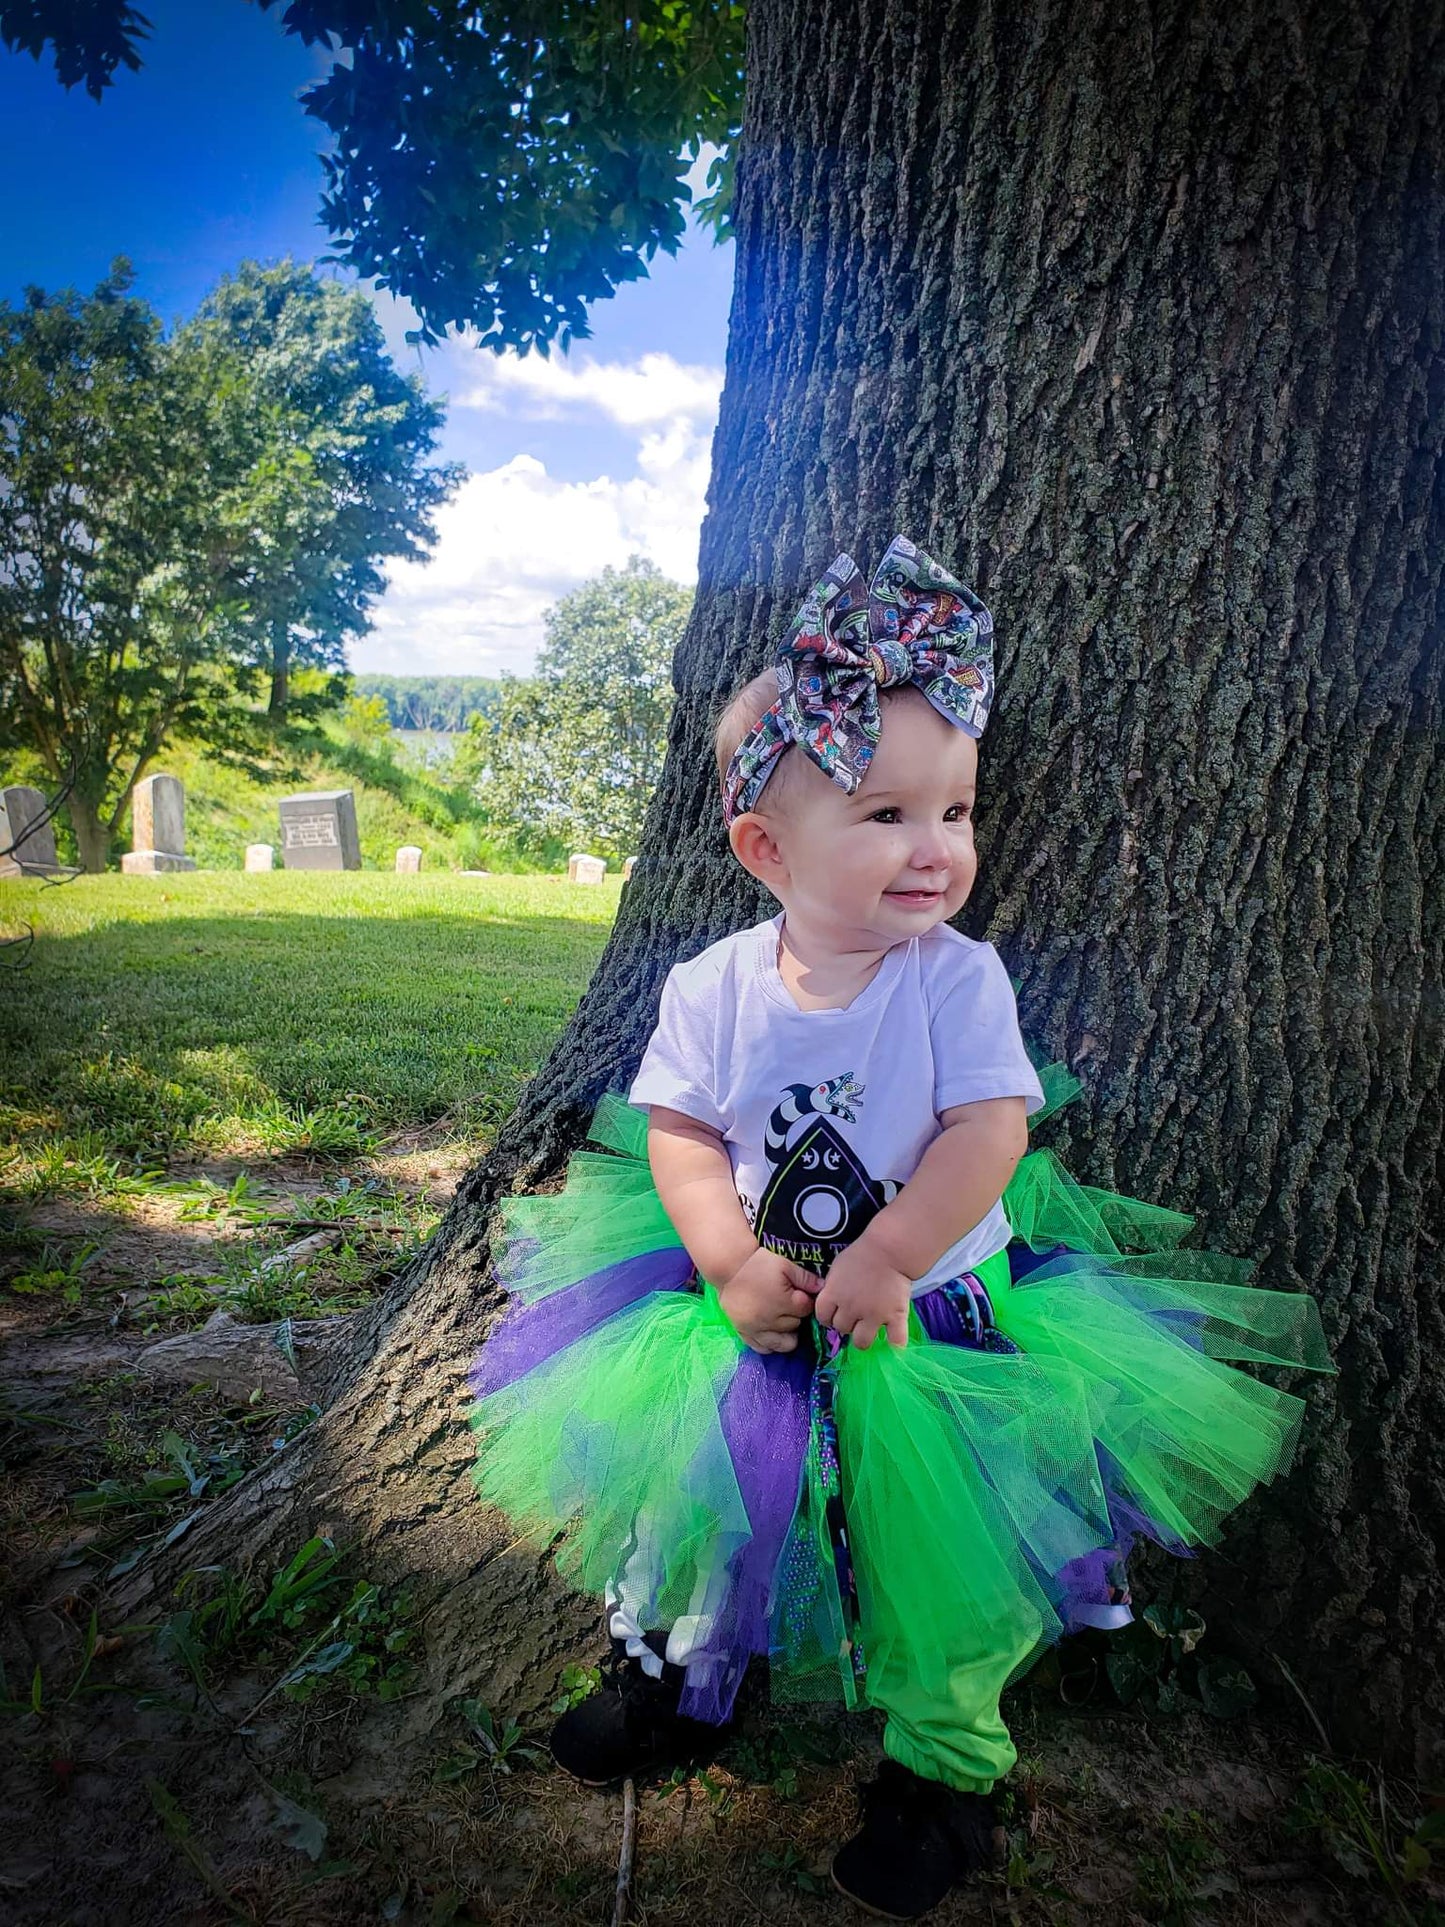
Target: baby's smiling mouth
[(914, 896)]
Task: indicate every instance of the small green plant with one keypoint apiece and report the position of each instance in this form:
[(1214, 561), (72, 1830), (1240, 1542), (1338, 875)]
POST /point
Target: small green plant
[(771, 1755), (359, 1641), (205, 1201), (300, 1588), (189, 1474), (1029, 1872), (54, 1271), (1171, 1874), (363, 1648), (178, 1296), (40, 1702), (1367, 1833), (792, 1866), (497, 1744), (328, 1130), (578, 1684), (60, 1163), (1156, 1662)]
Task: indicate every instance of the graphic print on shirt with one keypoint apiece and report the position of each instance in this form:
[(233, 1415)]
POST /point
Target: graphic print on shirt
[(819, 1196)]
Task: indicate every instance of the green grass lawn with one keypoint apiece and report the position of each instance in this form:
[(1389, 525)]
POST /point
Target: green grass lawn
[(164, 1016)]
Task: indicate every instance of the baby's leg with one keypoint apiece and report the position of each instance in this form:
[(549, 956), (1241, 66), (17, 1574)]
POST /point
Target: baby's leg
[(949, 1609), (943, 1709)]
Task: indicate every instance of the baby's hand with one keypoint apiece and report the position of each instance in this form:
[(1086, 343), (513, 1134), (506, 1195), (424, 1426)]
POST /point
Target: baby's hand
[(862, 1296), (767, 1298)]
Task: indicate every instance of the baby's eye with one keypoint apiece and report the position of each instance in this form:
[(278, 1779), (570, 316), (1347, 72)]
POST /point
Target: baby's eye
[(888, 815), (958, 812)]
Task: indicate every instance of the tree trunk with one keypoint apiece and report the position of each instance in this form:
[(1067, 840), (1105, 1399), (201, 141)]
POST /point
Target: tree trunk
[(92, 839), (280, 672), (1134, 317)]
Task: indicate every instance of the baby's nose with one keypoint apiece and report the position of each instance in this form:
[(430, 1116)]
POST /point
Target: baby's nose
[(930, 849)]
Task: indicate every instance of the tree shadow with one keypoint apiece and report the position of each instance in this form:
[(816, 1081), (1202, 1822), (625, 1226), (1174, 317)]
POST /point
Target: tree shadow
[(405, 1018)]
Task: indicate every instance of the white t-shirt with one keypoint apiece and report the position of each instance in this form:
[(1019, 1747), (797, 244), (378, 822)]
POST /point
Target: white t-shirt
[(826, 1113)]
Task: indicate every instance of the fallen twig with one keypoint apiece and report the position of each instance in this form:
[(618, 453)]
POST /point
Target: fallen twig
[(624, 1859), (1319, 1724), (330, 1224)]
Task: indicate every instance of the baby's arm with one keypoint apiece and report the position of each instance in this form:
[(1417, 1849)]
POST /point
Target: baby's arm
[(764, 1295), (959, 1179)]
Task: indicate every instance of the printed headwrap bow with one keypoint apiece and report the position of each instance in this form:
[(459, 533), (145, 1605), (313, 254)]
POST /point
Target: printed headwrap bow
[(914, 624)]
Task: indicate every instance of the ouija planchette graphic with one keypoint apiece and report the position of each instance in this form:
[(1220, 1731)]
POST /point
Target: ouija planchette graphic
[(818, 1200)]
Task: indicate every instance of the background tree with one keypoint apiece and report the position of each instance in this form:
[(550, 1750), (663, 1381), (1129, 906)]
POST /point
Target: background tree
[(347, 437), (575, 751), (1135, 317), (127, 491)]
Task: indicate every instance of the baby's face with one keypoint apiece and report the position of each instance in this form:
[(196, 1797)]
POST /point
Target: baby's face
[(896, 857)]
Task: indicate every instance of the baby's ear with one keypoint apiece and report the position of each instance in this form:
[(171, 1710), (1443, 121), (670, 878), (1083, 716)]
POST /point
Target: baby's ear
[(756, 847)]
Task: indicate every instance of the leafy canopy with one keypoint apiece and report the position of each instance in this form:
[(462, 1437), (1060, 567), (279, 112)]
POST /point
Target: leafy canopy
[(174, 513), (128, 495), (500, 166), (350, 485), (574, 753)]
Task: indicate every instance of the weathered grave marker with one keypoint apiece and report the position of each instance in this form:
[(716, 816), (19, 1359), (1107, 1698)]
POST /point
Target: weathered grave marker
[(582, 868), (21, 808), (158, 828), (318, 831)]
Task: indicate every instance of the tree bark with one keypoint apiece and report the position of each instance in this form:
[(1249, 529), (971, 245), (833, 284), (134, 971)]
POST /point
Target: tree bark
[(92, 839), (280, 672), (1134, 317)]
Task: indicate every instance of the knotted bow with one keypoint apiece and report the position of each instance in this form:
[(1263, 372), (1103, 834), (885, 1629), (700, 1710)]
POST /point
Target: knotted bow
[(914, 624)]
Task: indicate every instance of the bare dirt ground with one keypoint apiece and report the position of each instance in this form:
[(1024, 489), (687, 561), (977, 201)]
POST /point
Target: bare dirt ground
[(135, 1791)]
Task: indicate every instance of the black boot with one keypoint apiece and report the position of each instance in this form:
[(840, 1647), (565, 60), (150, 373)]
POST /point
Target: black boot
[(919, 1838), (630, 1727)]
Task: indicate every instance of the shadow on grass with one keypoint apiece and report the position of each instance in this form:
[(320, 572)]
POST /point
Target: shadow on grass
[(140, 1031)]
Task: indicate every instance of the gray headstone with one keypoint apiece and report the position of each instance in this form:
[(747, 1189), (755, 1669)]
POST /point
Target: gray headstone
[(586, 869), (21, 806), (318, 831), (408, 859), (260, 856), (628, 867), (158, 815)]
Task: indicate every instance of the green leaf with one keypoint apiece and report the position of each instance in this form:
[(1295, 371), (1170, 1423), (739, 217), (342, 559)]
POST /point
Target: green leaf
[(1128, 1675), (326, 1660), (1172, 1697), (299, 1827), (1225, 1689)]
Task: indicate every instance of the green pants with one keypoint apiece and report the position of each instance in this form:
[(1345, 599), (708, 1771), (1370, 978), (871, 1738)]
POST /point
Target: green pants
[(942, 1707)]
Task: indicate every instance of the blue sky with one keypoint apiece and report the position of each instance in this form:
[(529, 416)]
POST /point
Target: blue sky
[(205, 158)]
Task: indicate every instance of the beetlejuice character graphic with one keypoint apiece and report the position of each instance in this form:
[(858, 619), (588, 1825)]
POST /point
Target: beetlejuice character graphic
[(819, 1197)]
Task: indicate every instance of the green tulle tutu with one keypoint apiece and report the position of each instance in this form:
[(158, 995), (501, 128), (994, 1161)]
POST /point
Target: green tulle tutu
[(860, 1516)]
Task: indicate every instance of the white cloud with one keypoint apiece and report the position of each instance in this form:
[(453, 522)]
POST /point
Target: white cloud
[(515, 538), (655, 388)]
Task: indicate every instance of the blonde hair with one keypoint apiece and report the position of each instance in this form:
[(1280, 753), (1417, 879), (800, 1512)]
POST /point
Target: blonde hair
[(745, 709)]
